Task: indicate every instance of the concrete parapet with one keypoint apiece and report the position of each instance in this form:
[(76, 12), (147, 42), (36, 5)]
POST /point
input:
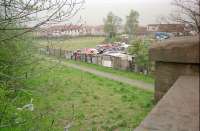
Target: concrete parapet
[(173, 58), (178, 110)]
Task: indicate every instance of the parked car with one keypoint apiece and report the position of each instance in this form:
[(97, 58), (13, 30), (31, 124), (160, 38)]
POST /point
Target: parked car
[(161, 35)]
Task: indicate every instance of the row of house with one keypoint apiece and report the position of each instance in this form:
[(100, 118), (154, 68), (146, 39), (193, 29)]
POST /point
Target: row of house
[(178, 29), (82, 30), (71, 30)]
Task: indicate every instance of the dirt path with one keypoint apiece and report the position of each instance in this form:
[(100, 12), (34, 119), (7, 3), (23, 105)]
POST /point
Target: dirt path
[(137, 83)]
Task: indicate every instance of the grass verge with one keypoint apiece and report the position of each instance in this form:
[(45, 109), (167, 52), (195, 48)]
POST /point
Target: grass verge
[(128, 74), (84, 101)]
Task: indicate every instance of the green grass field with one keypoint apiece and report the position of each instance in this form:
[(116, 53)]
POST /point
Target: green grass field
[(74, 43), (85, 100), (128, 74)]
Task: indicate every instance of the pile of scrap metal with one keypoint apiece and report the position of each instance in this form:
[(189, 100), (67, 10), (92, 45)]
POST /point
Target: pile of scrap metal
[(109, 55), (105, 48), (90, 51), (112, 48)]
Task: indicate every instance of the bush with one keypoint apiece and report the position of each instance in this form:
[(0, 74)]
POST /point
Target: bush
[(140, 48), (16, 65)]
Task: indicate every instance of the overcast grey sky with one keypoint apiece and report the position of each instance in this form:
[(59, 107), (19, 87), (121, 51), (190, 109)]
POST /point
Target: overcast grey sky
[(95, 10)]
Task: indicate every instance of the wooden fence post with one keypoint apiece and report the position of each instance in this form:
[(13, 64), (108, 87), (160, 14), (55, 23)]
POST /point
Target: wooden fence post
[(101, 60), (71, 55), (26, 75), (85, 58), (111, 61), (60, 52), (48, 50), (91, 58), (75, 56), (64, 53)]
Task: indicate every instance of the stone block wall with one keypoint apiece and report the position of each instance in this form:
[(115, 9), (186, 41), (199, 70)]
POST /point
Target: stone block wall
[(173, 58), (178, 110)]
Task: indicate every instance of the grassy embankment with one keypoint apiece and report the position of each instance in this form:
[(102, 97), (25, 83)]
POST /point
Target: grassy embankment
[(88, 101)]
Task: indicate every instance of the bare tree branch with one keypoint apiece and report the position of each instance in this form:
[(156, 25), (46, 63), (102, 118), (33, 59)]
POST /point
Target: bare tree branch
[(35, 13), (187, 12)]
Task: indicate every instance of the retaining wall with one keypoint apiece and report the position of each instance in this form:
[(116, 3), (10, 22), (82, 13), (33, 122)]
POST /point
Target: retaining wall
[(173, 58), (176, 87)]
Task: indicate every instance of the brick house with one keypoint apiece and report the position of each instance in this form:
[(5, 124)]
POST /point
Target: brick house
[(169, 28)]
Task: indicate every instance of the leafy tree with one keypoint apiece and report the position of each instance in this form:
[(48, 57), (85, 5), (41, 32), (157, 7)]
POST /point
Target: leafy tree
[(140, 48), (111, 25), (131, 24), (17, 61)]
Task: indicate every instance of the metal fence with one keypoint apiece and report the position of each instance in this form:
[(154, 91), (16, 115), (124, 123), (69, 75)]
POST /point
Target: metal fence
[(99, 59)]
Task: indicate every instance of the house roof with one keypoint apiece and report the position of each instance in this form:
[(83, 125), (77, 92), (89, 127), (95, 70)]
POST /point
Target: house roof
[(169, 27), (98, 28), (63, 27)]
